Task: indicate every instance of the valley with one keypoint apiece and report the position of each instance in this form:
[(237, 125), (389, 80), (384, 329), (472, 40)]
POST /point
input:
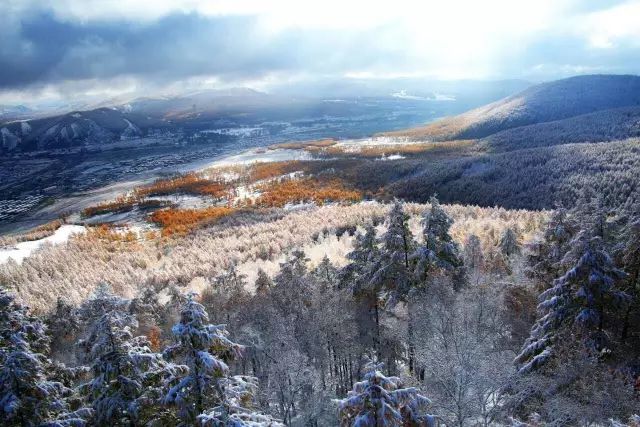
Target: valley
[(78, 168), (476, 253), (319, 213)]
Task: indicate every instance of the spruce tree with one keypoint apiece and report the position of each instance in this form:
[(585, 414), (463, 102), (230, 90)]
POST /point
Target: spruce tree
[(631, 265), (509, 244), (381, 401), (438, 253), (127, 375), (28, 396), (204, 350), (357, 275), (394, 273), (263, 283), (580, 300), (545, 257), (363, 260)]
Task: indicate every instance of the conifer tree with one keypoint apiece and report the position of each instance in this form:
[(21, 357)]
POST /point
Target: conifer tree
[(439, 252), (127, 375), (580, 298), (326, 274), (357, 275), (263, 282), (631, 265), (394, 273), (204, 350), (380, 401), (546, 256), (509, 244), (291, 293), (364, 259), (28, 397)]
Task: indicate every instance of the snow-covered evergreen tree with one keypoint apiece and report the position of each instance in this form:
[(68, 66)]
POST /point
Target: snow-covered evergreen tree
[(631, 265), (200, 392), (363, 261), (28, 397), (380, 401), (263, 282), (581, 297), (473, 256), (291, 292), (439, 252), (239, 392), (63, 326), (545, 256), (127, 375), (394, 273), (326, 274), (509, 244)]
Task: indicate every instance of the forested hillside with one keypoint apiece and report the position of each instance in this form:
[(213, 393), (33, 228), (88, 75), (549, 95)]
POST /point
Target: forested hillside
[(607, 125), (314, 292), (536, 178), (551, 101), (381, 315)]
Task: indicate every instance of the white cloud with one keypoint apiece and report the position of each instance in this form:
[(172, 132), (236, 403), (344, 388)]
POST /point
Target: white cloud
[(608, 28), (445, 39)]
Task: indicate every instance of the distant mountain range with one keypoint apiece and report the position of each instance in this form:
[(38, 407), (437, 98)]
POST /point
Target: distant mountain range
[(128, 120), (600, 107), (577, 109), (23, 129), (549, 145)]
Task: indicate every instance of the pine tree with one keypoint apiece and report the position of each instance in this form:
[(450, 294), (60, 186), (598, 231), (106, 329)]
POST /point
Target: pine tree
[(263, 283), (580, 298), (631, 265), (439, 252), (62, 326), (380, 401), (394, 275), (546, 256), (291, 292), (326, 274), (227, 292), (364, 259), (205, 350), (239, 392), (127, 375), (473, 252), (28, 397), (509, 244)]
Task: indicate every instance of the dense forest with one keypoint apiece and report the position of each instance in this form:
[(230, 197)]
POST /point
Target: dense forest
[(336, 289), (423, 322)]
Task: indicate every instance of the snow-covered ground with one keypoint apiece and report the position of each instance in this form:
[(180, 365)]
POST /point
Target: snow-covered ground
[(24, 249), (355, 145), (391, 157), (261, 155)]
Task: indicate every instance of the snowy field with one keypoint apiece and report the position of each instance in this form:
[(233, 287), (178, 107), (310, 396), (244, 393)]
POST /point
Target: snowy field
[(24, 249)]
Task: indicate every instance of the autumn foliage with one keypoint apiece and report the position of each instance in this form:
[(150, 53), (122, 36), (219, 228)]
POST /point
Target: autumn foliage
[(120, 204), (264, 171), (181, 221), (311, 146), (278, 194), (190, 183)]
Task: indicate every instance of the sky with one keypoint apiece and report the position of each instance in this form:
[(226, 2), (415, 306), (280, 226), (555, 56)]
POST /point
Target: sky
[(79, 49)]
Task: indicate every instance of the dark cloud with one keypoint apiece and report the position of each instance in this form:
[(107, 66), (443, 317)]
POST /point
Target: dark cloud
[(45, 50)]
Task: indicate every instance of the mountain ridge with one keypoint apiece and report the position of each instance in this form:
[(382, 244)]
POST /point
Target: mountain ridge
[(545, 102)]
